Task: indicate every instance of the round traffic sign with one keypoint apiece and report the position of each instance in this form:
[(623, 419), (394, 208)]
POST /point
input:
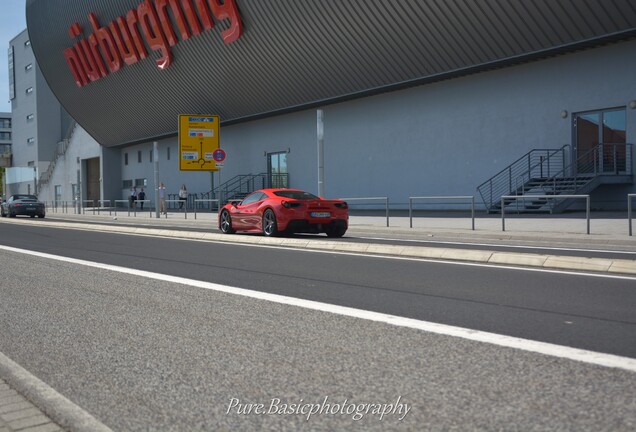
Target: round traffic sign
[(219, 155)]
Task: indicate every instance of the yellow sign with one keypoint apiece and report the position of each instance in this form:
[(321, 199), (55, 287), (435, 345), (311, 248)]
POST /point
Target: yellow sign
[(198, 138)]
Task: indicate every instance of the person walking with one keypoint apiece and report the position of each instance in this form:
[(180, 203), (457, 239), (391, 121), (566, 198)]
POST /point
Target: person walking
[(183, 196), (132, 197), (162, 198), (141, 196)]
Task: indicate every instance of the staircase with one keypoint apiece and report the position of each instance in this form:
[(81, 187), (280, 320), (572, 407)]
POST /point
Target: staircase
[(238, 187), (535, 174)]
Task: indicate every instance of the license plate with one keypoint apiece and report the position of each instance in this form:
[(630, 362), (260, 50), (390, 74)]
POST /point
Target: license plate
[(31, 208), (320, 214)]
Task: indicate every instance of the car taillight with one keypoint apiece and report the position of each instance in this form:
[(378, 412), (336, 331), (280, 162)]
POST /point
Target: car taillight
[(17, 204), (341, 205), (288, 204)]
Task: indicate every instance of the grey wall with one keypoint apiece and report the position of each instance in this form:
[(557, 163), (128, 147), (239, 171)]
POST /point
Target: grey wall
[(440, 139)]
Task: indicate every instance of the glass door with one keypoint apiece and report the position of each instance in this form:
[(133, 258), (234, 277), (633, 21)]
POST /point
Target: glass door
[(605, 129), (587, 131), (277, 170)]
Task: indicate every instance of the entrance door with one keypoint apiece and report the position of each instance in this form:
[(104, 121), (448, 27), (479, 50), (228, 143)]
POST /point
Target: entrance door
[(606, 128), (92, 180), (277, 170)]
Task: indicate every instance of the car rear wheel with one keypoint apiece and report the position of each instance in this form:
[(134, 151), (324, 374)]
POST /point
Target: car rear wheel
[(226, 223), (336, 231), (270, 227)]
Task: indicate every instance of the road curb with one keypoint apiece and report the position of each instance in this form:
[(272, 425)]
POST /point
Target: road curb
[(599, 265), (57, 407)]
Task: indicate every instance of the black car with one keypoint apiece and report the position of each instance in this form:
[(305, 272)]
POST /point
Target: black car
[(27, 205)]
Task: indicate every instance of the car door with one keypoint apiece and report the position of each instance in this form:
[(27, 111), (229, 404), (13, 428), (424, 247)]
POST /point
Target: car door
[(245, 215)]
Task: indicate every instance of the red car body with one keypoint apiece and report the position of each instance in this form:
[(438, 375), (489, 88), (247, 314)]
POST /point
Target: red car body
[(277, 211)]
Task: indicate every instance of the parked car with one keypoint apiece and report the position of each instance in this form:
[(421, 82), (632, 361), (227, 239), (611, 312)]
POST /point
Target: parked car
[(27, 205), (277, 211)]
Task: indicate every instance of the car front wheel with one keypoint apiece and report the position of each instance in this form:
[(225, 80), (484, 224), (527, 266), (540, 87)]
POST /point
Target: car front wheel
[(226, 223), (270, 227)]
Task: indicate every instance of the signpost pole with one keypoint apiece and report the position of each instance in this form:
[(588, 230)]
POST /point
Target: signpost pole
[(155, 154), (321, 155)]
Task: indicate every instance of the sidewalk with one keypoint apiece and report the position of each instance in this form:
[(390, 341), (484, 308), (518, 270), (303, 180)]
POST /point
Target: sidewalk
[(607, 229), (18, 414)]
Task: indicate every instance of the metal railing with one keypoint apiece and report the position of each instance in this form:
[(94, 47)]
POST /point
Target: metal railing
[(603, 159), (537, 163), (521, 197), (205, 200), (99, 206), (184, 208), (467, 197), (385, 199)]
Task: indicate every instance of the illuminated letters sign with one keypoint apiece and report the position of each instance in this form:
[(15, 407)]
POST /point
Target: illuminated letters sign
[(198, 140), (121, 41)]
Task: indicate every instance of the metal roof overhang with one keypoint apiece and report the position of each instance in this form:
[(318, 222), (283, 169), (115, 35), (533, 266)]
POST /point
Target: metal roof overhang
[(294, 55)]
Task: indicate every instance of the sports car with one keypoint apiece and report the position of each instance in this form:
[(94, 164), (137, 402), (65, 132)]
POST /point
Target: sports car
[(27, 205), (277, 211)]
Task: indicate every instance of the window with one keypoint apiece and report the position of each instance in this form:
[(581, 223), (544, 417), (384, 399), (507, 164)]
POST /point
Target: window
[(58, 193), (150, 155), (28, 67), (30, 117), (31, 163), (5, 136), (139, 156), (141, 182), (255, 197), (5, 123), (168, 153), (29, 90), (30, 140), (125, 158), (127, 184)]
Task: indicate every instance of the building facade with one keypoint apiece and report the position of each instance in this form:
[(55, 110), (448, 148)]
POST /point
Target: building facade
[(419, 99), (5, 140)]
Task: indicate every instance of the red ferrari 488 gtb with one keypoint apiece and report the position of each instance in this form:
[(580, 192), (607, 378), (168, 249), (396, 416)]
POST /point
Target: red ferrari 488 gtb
[(276, 211)]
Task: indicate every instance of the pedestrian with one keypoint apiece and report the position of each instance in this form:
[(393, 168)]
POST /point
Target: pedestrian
[(141, 196), (162, 198), (183, 196), (132, 197)]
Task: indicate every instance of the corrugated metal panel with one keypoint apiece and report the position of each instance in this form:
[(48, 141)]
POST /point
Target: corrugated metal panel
[(302, 53)]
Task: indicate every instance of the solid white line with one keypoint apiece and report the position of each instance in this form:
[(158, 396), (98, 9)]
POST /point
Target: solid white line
[(590, 357)]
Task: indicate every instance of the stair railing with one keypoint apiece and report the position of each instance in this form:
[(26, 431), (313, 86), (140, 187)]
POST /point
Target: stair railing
[(603, 159), (537, 163)]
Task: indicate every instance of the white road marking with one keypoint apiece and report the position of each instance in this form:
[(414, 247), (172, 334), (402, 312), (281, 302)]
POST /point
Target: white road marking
[(590, 357)]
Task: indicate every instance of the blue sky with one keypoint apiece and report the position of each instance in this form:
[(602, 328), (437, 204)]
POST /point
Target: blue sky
[(12, 22)]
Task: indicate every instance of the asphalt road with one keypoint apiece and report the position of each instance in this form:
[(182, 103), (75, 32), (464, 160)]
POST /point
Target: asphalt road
[(147, 354), (360, 236)]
